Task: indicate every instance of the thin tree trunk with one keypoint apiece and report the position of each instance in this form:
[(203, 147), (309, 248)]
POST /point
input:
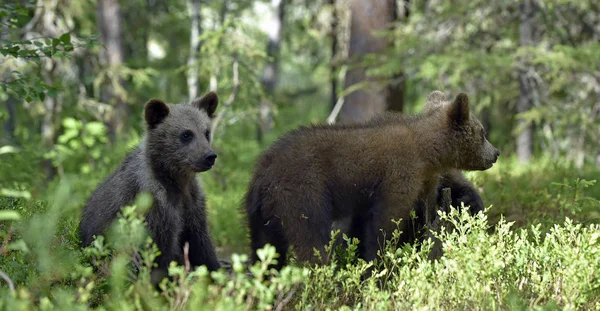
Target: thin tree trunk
[(271, 71), (525, 101), (192, 77), (334, 43), (396, 89), (367, 16), (48, 134), (111, 34), (9, 124), (45, 22), (213, 79)]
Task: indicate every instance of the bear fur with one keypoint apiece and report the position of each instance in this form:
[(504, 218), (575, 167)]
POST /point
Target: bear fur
[(462, 191), (176, 147), (361, 176)]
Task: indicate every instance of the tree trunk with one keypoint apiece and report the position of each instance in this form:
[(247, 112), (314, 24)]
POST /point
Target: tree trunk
[(526, 95), (49, 133), (367, 16), (111, 35), (334, 44), (396, 89), (9, 124), (271, 71), (192, 74)]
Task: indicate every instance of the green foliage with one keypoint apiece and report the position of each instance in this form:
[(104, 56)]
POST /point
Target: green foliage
[(565, 192), (483, 267), (26, 86), (538, 250), (475, 47)]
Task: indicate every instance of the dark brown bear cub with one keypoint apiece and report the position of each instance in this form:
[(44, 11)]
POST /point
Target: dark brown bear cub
[(363, 176), (176, 147)]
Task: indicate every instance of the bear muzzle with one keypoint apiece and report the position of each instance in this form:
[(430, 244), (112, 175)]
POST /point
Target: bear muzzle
[(207, 162)]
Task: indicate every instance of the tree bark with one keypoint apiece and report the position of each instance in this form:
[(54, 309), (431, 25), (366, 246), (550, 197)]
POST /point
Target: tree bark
[(334, 43), (9, 124), (271, 72), (111, 35), (396, 89), (367, 16), (526, 94), (195, 30)]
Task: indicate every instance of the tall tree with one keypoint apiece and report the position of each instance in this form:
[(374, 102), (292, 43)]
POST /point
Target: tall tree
[(111, 34), (367, 16), (334, 46), (527, 94), (10, 103), (48, 23), (396, 89), (271, 71), (195, 30)]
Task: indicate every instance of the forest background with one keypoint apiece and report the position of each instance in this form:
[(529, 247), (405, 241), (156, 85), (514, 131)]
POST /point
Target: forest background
[(74, 76)]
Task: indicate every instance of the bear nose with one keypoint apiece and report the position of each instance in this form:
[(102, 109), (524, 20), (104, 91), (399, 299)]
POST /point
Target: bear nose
[(497, 154), (209, 158)]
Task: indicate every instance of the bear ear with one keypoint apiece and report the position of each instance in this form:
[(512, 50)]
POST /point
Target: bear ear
[(436, 97), (435, 101), (155, 112), (208, 103), (459, 109)]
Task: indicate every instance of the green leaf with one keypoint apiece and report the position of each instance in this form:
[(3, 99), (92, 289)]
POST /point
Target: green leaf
[(8, 149), (19, 245), (65, 38), (15, 193), (70, 123), (52, 92), (9, 215), (95, 128)]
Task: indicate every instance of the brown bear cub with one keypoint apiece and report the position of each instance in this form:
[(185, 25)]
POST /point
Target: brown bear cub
[(176, 147), (360, 175), (461, 189)]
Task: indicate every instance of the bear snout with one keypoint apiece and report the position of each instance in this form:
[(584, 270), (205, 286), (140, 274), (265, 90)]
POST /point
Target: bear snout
[(209, 159), (205, 162)]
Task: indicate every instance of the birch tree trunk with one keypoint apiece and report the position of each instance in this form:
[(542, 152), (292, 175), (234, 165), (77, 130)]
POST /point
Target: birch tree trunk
[(111, 35), (192, 73), (526, 94), (271, 72)]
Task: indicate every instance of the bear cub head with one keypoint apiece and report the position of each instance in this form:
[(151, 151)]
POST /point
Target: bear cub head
[(178, 136), (466, 135)]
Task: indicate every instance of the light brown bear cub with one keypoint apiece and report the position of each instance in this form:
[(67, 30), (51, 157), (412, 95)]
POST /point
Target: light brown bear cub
[(362, 175), (175, 148)]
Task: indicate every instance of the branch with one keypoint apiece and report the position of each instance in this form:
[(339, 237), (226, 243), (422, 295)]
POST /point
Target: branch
[(287, 299), (5, 276), (234, 91), (186, 257), (11, 284), (336, 110), (340, 102)]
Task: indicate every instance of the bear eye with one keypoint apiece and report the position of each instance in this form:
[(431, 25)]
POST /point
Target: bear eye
[(207, 135), (186, 136)]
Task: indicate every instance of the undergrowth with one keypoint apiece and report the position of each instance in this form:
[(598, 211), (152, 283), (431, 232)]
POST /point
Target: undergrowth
[(484, 267)]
